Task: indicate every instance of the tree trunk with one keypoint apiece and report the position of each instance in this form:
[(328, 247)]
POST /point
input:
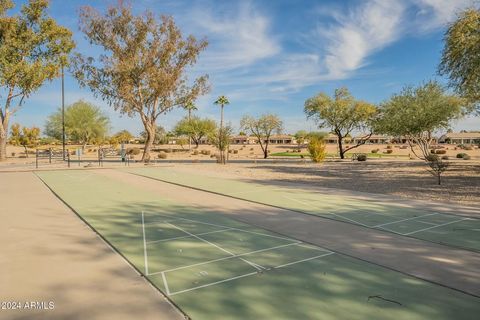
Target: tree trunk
[(3, 139), (340, 147), (26, 151), (439, 178), (3, 147), (265, 151), (150, 130)]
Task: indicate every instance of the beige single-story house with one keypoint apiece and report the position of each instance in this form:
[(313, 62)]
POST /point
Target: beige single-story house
[(460, 138)]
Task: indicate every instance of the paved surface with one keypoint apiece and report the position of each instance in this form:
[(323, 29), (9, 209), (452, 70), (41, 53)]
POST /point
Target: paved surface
[(48, 254), (444, 265)]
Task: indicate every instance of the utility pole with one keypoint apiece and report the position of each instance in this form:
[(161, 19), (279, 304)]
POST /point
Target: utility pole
[(63, 113)]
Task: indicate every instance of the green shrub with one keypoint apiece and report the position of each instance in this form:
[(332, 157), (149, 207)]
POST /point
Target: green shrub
[(432, 157), (362, 157), (162, 155), (316, 148), (461, 155), (440, 151)]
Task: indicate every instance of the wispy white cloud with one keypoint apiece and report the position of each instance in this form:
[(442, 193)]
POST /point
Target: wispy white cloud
[(239, 36), (434, 14)]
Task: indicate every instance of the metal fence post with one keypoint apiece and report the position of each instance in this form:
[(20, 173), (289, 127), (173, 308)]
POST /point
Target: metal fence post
[(36, 159)]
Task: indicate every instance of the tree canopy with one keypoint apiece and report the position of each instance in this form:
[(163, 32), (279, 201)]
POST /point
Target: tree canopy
[(417, 112), (144, 65), (26, 137), (461, 55), (123, 136), (84, 123), (196, 128), (33, 47), (343, 114), (262, 128)]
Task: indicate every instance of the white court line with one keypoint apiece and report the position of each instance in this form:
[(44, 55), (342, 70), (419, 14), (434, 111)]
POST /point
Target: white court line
[(218, 225), (183, 237), (315, 207), (213, 283), (408, 219), (256, 266), (436, 226), (144, 244), (165, 283), (225, 258), (308, 259), (246, 275)]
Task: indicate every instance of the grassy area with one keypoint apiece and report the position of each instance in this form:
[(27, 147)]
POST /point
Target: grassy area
[(333, 155)]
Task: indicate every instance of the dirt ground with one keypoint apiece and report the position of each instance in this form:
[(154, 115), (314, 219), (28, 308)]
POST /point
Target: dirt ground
[(409, 179)]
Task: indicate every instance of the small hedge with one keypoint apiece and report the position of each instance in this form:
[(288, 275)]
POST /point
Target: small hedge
[(375, 150), (235, 151), (461, 155), (362, 157), (389, 151), (162, 155), (440, 151), (432, 157)]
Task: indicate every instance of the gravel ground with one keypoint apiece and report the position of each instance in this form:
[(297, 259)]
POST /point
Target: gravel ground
[(409, 179)]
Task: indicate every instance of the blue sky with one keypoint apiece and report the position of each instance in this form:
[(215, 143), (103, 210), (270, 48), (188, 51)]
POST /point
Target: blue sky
[(270, 56)]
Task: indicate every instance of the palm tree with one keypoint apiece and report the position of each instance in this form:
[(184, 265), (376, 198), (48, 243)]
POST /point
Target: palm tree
[(190, 106), (222, 101)]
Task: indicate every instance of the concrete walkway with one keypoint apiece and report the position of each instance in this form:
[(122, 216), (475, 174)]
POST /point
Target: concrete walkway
[(48, 255), (440, 264)]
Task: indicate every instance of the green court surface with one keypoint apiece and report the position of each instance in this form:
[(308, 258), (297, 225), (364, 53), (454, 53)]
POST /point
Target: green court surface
[(447, 229), (214, 267)]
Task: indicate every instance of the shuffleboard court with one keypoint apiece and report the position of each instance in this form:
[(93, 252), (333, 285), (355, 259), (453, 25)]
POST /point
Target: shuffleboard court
[(448, 229), (212, 266)]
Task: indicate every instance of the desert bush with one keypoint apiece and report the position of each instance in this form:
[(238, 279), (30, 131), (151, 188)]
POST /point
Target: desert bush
[(195, 152), (133, 151), (445, 158), (362, 157), (440, 151), (230, 151), (389, 151), (13, 154), (251, 149), (168, 150), (162, 155), (389, 147), (468, 148), (403, 147), (432, 157), (375, 150), (466, 157), (461, 155), (235, 151), (316, 148), (205, 152)]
